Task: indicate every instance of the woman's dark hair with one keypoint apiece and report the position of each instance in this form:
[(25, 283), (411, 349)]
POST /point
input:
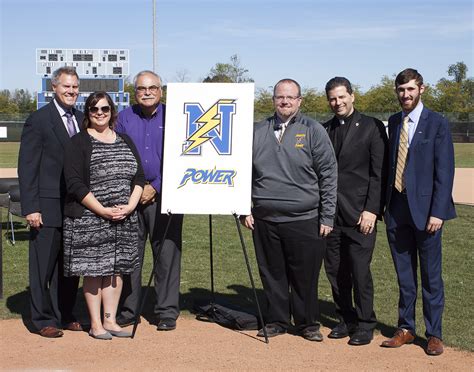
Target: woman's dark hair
[(92, 101)]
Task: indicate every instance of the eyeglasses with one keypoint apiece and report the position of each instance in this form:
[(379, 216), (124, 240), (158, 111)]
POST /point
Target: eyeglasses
[(103, 109), (152, 89), (289, 98)]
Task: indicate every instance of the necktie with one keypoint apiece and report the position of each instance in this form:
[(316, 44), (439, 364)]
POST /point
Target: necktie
[(280, 127), (71, 128), (402, 156), (280, 135)]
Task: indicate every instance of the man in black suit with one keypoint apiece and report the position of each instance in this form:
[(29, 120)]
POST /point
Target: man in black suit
[(360, 145), (45, 135)]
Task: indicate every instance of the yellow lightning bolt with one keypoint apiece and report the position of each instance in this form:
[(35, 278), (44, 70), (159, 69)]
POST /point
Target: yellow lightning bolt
[(210, 120)]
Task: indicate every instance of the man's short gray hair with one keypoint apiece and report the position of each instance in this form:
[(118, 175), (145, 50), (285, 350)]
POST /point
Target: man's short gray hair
[(67, 70), (145, 72)]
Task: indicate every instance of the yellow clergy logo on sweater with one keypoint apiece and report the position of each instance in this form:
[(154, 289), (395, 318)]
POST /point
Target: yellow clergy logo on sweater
[(299, 140)]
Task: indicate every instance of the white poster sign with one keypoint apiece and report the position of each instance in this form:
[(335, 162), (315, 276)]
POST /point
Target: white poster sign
[(208, 148)]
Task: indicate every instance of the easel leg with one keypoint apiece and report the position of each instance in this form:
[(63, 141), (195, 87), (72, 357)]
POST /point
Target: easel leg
[(242, 242), (211, 259)]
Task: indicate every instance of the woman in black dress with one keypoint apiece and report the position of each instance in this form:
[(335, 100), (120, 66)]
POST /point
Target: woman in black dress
[(104, 181)]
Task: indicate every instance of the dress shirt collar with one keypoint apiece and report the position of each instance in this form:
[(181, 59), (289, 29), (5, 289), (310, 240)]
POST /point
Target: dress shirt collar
[(61, 109), (62, 113), (415, 114), (142, 115), (281, 123), (346, 120), (414, 118)]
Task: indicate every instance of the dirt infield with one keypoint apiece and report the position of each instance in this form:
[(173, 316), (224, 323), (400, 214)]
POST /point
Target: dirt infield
[(199, 346)]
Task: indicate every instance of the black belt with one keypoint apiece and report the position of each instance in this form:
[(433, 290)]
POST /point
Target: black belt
[(404, 191)]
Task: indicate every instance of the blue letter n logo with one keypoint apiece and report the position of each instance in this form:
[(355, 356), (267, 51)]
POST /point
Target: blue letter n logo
[(213, 125)]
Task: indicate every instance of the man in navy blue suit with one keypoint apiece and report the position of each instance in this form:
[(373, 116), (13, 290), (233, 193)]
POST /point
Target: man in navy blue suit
[(420, 184)]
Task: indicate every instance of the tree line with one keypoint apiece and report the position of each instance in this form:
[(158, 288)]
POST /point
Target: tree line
[(449, 95), (19, 101)]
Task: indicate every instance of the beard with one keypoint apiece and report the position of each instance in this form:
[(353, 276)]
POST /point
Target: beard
[(409, 105)]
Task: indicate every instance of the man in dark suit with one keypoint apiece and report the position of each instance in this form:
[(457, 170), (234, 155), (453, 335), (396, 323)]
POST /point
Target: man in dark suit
[(45, 135), (420, 183), (360, 145)]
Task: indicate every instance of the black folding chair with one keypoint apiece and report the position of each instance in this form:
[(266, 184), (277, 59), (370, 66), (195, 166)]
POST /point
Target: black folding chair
[(14, 209)]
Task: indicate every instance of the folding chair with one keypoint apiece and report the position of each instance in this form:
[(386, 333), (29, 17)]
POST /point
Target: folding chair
[(14, 209)]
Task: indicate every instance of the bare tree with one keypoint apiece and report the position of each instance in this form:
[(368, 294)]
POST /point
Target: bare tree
[(182, 76)]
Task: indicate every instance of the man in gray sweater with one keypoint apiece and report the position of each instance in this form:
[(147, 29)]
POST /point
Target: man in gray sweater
[(294, 192)]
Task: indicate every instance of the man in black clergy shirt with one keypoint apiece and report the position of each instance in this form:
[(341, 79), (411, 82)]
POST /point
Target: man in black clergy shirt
[(360, 145)]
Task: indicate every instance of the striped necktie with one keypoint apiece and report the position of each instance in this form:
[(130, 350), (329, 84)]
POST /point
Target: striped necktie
[(282, 130), (71, 128), (402, 156)]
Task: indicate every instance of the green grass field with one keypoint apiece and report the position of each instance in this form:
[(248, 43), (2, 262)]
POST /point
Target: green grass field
[(464, 154), (232, 281), (9, 154)]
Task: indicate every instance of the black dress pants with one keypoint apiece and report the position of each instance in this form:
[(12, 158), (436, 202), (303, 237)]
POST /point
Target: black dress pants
[(347, 265), (52, 296), (289, 257), (152, 225)]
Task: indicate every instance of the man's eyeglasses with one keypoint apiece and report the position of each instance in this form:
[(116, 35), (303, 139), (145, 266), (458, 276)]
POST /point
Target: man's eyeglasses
[(152, 89), (288, 98), (103, 109)]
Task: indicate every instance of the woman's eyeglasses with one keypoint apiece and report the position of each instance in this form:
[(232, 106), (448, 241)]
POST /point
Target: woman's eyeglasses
[(103, 109)]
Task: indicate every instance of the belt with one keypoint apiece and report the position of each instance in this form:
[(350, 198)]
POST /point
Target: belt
[(404, 191)]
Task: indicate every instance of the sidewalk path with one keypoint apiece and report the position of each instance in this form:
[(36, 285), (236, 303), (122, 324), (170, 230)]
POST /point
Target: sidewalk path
[(8, 173), (463, 192)]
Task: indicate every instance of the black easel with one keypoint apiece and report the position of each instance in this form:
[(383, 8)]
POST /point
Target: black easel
[(244, 249), (211, 259)]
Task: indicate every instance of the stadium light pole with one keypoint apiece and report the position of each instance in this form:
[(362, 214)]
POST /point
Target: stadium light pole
[(154, 37)]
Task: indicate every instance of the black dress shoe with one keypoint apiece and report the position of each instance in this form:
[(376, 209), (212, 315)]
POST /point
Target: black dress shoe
[(312, 334), (125, 322), (166, 324), (339, 331), (272, 331), (361, 337)]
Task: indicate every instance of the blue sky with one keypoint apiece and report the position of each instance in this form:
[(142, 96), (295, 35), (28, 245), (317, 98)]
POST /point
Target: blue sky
[(308, 40)]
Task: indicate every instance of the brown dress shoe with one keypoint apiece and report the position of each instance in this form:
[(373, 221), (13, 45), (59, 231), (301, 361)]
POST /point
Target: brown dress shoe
[(401, 337), (50, 332), (73, 326), (435, 346)]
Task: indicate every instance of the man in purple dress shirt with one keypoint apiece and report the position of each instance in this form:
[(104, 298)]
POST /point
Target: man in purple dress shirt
[(144, 123)]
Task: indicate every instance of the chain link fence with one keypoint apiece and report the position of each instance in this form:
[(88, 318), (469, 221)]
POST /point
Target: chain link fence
[(462, 124)]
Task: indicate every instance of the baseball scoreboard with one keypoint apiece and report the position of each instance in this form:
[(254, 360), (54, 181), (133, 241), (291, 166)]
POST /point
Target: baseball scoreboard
[(98, 69)]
